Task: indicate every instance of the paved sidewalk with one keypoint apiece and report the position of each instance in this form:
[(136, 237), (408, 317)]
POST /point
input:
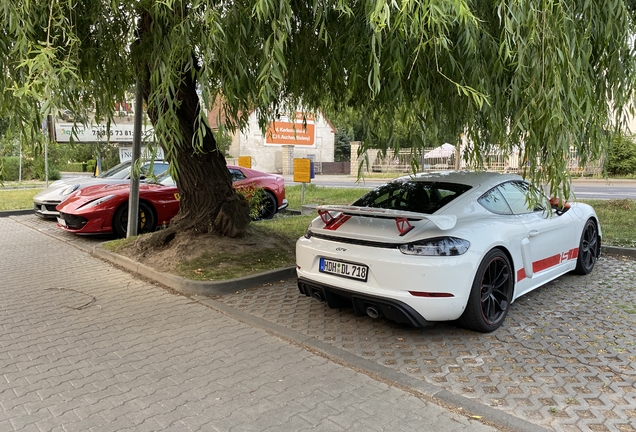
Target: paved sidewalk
[(87, 347), (564, 360)]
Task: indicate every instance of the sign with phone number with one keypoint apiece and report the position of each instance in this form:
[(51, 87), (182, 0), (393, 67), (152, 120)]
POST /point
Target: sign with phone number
[(99, 133)]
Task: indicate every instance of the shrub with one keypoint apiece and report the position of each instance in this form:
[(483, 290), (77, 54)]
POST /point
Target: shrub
[(621, 156), (38, 170), (90, 165), (72, 167), (255, 198), (10, 169)]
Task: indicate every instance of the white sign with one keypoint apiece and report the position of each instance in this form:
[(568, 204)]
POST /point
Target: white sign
[(99, 133), (125, 153)]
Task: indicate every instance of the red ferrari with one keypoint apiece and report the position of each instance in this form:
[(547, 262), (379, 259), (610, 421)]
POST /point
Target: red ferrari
[(103, 209)]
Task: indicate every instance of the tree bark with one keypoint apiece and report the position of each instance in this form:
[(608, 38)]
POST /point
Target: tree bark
[(208, 203)]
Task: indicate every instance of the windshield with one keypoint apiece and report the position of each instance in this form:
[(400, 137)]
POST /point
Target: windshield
[(120, 171), (164, 179), (414, 196)]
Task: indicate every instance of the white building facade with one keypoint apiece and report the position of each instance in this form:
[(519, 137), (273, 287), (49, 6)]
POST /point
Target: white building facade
[(286, 139)]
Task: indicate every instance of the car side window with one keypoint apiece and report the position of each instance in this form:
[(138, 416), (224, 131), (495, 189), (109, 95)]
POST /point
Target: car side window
[(516, 194), (494, 201), (236, 174)]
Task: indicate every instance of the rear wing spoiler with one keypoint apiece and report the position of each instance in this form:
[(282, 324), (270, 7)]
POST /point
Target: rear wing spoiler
[(332, 215)]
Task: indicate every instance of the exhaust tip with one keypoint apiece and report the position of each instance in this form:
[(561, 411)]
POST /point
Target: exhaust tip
[(317, 295), (373, 312)]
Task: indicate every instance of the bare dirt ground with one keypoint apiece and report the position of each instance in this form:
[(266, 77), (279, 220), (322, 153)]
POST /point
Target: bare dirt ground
[(190, 245)]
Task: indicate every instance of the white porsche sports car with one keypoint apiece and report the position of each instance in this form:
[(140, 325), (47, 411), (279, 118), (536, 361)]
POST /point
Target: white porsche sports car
[(454, 245)]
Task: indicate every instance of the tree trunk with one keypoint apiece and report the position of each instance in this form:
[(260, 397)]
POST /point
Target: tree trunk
[(208, 203)]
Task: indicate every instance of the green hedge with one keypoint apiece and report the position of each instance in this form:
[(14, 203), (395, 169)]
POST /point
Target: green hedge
[(74, 167), (30, 169)]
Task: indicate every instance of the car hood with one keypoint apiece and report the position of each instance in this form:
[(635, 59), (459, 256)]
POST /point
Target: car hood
[(54, 192), (92, 193), (376, 224)]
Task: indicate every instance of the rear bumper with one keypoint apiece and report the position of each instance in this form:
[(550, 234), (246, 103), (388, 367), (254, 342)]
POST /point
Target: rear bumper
[(363, 304)]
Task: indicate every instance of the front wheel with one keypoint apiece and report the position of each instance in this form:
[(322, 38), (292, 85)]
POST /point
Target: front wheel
[(588, 249), (146, 221), (490, 295)]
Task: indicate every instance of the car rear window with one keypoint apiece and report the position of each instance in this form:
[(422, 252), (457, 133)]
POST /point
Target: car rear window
[(414, 196)]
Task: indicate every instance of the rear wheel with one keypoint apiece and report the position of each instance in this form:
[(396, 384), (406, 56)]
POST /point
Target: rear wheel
[(588, 249), (269, 205), (491, 294), (146, 220)]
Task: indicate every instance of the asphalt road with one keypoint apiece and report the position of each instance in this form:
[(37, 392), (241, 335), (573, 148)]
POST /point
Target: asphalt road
[(582, 188)]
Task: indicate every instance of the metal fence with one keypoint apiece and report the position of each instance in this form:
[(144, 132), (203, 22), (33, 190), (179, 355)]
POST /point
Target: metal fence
[(403, 161)]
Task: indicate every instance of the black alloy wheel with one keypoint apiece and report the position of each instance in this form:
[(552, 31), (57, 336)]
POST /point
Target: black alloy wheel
[(269, 205), (491, 294), (146, 220), (588, 249)]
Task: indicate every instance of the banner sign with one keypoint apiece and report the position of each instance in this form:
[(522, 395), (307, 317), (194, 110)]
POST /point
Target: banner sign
[(99, 133), (286, 131)]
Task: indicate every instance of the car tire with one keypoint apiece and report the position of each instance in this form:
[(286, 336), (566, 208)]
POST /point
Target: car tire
[(588, 248), (269, 206), (490, 295), (147, 221)]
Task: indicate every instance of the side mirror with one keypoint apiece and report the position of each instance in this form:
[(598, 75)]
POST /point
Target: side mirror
[(559, 205)]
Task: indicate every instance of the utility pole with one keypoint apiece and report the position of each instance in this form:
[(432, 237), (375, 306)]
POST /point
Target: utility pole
[(133, 200), (51, 137)]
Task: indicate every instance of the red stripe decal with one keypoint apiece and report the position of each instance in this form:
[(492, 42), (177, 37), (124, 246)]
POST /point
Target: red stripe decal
[(521, 275), (337, 222), (554, 260), (546, 263)]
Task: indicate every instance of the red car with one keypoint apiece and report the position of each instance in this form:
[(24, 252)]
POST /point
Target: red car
[(103, 209)]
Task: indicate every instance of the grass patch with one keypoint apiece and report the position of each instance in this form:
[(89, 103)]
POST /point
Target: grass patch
[(289, 227), (119, 244), (321, 195), (618, 221), (17, 199), (222, 266)]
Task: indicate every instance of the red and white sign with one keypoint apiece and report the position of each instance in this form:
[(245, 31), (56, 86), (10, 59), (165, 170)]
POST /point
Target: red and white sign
[(287, 132)]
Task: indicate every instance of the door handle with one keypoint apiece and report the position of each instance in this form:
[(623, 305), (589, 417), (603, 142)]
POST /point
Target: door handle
[(533, 233)]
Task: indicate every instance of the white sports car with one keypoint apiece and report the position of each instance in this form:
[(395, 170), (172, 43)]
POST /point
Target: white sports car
[(444, 246)]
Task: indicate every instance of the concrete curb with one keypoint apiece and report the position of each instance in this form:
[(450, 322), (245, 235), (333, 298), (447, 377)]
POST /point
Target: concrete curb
[(614, 250), (191, 287), (8, 213)]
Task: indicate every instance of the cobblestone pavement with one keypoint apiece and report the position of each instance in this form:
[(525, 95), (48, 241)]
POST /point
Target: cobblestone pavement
[(565, 358), (86, 347)]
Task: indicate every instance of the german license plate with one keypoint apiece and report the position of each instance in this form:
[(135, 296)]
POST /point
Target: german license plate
[(61, 221), (344, 269)]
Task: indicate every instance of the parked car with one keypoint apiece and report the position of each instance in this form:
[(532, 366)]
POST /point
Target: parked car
[(103, 208), (442, 247), (45, 202)]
